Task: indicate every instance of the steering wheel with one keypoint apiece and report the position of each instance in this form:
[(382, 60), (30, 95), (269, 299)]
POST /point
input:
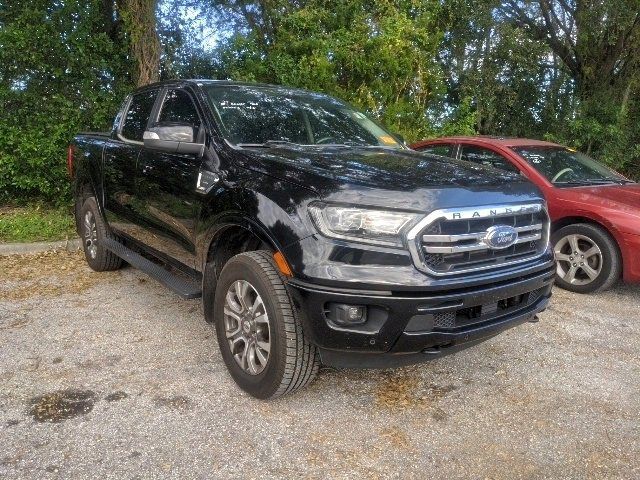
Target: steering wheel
[(562, 172), (323, 140)]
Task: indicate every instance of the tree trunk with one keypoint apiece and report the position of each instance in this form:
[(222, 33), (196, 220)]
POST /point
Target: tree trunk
[(139, 19)]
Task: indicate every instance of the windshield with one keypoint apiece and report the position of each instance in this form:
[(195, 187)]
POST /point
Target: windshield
[(260, 116), (565, 166)]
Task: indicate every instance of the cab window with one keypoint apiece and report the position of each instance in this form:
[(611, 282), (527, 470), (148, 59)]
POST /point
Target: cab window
[(137, 116), (179, 108), (486, 157)]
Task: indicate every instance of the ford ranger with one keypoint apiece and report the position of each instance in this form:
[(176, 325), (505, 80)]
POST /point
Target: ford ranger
[(313, 235)]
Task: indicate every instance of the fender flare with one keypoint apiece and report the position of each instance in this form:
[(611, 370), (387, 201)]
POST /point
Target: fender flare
[(231, 220)]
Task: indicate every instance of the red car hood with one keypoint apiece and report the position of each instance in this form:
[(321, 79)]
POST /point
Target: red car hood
[(619, 205), (612, 196)]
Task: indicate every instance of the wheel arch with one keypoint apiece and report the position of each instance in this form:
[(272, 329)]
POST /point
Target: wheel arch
[(84, 189), (576, 219), (233, 235), (237, 234)]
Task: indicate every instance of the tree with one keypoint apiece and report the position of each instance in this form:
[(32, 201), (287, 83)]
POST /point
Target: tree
[(139, 25), (377, 54), (598, 42)]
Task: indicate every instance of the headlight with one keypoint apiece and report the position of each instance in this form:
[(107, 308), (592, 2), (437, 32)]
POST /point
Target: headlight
[(379, 227)]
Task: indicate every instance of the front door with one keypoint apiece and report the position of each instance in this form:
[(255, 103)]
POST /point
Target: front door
[(167, 200)]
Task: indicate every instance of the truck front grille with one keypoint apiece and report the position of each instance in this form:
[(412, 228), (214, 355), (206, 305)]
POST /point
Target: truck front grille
[(466, 317), (453, 241)]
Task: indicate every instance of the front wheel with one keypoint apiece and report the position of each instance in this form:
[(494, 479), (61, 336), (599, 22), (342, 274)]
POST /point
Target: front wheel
[(259, 334), (587, 258)]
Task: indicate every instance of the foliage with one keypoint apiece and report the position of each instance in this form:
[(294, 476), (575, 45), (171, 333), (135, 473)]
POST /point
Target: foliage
[(598, 44), (34, 223), (59, 74), (377, 54), (566, 70)]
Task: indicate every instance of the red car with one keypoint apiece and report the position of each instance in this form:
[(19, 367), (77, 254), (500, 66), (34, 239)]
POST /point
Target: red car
[(595, 211)]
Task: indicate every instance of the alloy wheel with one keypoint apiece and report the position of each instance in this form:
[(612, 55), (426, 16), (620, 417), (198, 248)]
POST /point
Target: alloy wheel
[(247, 327), (90, 234), (578, 259)]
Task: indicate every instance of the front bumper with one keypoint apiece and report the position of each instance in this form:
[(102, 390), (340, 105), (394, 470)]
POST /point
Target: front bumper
[(631, 266), (404, 327)]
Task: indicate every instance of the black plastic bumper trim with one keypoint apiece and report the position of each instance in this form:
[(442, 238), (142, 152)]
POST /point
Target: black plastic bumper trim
[(427, 347)]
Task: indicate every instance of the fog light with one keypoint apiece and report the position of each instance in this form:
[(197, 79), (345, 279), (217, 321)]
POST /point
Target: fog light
[(344, 314)]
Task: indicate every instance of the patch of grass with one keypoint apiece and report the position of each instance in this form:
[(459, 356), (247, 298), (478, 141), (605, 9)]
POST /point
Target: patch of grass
[(35, 224)]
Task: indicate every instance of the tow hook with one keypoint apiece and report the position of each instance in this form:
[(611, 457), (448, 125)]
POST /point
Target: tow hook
[(431, 350)]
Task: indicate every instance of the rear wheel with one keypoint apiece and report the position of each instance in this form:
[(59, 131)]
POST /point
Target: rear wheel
[(259, 334), (587, 258), (93, 231)]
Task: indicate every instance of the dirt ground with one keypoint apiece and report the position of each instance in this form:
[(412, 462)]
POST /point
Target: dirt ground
[(112, 376)]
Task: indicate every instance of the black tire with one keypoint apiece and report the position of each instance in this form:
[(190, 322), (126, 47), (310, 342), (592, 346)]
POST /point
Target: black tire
[(609, 262), (99, 259), (292, 362)]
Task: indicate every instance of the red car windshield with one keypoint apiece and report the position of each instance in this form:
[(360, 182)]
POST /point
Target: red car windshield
[(564, 166)]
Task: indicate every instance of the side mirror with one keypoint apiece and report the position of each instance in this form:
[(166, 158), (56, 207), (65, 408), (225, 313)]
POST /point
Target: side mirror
[(172, 139)]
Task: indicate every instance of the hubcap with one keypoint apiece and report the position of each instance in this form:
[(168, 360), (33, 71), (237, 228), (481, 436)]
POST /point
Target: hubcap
[(247, 327), (578, 259), (90, 234)]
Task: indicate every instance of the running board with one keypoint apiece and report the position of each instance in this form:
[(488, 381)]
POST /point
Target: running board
[(185, 288)]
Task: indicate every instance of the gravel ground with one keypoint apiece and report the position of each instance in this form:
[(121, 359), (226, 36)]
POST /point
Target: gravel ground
[(112, 376)]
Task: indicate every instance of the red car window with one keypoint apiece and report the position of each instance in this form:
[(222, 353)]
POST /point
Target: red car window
[(484, 156), (442, 149)]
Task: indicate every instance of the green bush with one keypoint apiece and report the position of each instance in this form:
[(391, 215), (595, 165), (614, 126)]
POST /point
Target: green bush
[(58, 73)]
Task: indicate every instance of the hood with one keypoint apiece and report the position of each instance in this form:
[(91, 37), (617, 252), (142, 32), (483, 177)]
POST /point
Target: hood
[(627, 195), (387, 177), (617, 206)]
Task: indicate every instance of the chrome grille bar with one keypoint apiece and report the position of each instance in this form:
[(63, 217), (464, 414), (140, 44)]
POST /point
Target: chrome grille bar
[(477, 246), (472, 236)]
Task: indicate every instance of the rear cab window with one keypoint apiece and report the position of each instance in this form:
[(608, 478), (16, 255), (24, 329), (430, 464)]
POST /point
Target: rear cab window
[(136, 119)]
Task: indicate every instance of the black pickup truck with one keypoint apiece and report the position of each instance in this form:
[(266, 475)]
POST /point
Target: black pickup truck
[(312, 234)]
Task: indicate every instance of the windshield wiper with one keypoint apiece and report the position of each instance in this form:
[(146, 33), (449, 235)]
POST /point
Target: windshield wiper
[(268, 144), (589, 182), (603, 181)]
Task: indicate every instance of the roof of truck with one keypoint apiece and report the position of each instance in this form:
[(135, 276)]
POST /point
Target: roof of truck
[(205, 81)]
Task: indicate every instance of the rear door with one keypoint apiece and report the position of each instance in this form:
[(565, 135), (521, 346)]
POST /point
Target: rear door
[(487, 157), (167, 201), (120, 161)]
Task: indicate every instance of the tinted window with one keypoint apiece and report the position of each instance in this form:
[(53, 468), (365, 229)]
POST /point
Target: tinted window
[(178, 107), (486, 157), (443, 149), (135, 121), (250, 116)]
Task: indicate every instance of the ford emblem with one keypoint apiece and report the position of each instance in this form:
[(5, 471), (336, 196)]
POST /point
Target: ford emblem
[(500, 236)]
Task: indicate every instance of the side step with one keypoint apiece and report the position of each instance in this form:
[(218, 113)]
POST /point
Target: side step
[(182, 286)]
